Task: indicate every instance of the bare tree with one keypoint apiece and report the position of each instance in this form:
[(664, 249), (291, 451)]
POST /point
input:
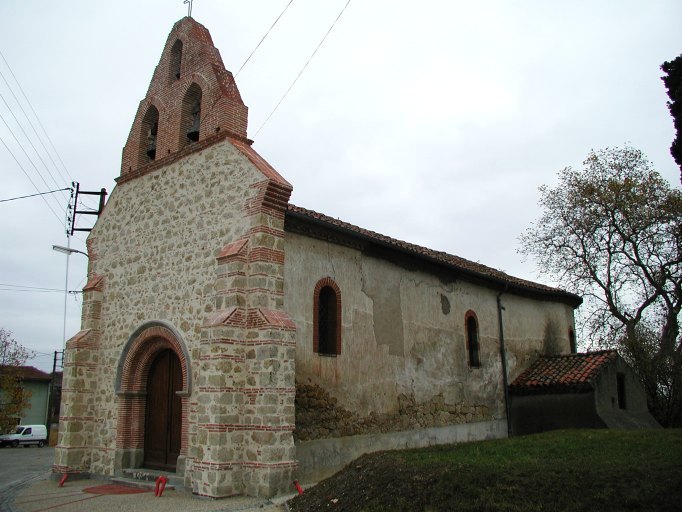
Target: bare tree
[(612, 232), (13, 398)]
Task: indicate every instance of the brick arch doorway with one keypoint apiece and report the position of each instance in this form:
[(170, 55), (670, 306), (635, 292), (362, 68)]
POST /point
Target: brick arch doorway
[(153, 382)]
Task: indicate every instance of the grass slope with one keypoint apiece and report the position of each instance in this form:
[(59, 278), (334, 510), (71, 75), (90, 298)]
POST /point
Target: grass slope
[(570, 470)]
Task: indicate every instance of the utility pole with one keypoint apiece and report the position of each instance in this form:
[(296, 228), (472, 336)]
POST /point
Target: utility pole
[(57, 361)]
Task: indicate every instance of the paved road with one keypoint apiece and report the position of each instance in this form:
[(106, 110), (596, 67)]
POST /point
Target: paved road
[(20, 467)]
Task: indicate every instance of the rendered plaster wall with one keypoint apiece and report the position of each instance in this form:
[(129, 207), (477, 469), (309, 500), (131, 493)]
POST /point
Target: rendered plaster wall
[(403, 361), (156, 246), (540, 413), (36, 413), (635, 413)]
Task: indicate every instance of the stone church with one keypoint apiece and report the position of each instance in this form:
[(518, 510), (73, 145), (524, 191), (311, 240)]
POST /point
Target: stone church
[(240, 341)]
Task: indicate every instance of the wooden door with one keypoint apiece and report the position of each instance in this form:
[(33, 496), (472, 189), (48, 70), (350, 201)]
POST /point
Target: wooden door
[(164, 412)]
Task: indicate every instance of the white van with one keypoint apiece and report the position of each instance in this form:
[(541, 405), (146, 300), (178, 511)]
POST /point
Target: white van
[(26, 435)]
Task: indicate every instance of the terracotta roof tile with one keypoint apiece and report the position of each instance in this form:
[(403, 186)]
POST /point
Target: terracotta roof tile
[(440, 257), (573, 373), (32, 373)]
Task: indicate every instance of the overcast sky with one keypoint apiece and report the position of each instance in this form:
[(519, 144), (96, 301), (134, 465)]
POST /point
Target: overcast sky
[(433, 122)]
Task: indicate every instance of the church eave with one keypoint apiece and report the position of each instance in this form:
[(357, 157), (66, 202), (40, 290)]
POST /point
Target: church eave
[(342, 233)]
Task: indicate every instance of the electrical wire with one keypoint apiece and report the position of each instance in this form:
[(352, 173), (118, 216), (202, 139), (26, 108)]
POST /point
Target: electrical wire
[(38, 288), (263, 38), (29, 291), (32, 145), (302, 69), (29, 179), (75, 293), (65, 179), (68, 179), (33, 195), (34, 131)]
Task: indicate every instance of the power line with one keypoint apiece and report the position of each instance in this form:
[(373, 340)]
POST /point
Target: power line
[(31, 143), (75, 293), (33, 195), (34, 131), (263, 38), (29, 178), (29, 291), (36, 288), (67, 179), (302, 70)]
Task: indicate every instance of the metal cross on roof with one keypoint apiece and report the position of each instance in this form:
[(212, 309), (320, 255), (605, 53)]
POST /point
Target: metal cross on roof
[(189, 7)]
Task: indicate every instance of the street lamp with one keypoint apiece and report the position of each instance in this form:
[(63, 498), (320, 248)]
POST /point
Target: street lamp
[(68, 251)]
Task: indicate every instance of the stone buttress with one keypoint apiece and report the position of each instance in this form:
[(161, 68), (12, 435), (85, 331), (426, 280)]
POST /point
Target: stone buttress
[(78, 414), (245, 403)]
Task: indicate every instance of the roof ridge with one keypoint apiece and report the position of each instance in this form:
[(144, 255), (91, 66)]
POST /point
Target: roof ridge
[(580, 354), (563, 373)]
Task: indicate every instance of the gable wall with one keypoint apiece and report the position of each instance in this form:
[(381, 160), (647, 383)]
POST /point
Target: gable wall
[(636, 412), (157, 242), (156, 248), (403, 361)]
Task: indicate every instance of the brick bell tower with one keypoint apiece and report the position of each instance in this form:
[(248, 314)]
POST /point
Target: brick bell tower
[(187, 259), (191, 98)]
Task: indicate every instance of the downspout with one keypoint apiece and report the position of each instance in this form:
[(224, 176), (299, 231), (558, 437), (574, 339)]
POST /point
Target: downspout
[(503, 356)]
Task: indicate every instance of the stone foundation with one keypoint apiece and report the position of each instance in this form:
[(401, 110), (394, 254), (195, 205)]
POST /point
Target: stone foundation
[(319, 417)]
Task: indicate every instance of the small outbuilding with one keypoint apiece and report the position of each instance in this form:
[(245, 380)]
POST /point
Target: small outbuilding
[(589, 390)]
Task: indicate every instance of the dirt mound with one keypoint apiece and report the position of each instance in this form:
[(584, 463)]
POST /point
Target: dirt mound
[(380, 481)]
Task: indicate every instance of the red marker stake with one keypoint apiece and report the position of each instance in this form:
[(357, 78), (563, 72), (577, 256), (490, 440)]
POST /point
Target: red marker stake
[(160, 486)]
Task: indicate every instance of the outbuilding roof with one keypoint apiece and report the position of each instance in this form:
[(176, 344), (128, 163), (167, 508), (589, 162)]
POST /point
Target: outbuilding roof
[(573, 373), (469, 268)]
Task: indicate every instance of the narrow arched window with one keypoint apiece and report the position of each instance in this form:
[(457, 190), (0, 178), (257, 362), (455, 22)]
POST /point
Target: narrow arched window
[(327, 318), (473, 346), (175, 60), (149, 129), (571, 340), (190, 116), (620, 385)]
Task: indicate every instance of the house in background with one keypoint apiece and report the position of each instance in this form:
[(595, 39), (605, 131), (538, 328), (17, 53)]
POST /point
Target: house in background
[(37, 383), (590, 390), (54, 407)]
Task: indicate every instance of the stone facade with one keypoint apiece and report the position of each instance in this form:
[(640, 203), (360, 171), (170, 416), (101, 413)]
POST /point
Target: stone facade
[(187, 257), (277, 323)]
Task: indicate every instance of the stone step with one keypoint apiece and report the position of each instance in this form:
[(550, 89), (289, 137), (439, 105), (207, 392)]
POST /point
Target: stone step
[(150, 475), (140, 484)]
